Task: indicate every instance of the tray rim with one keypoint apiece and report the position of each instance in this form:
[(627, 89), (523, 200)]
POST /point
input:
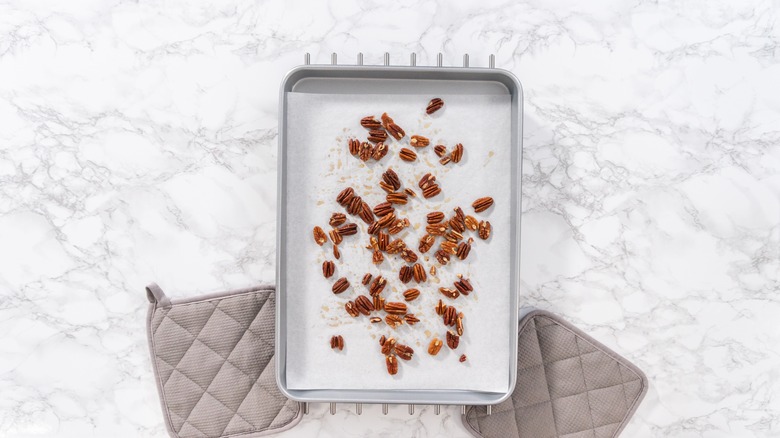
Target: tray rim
[(427, 396)]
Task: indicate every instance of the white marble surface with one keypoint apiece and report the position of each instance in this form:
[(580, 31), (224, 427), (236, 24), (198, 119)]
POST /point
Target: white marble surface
[(138, 143)]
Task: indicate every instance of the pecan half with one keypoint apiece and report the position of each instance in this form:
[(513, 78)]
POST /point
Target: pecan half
[(463, 250), (440, 150), (380, 151), (392, 365), (374, 228), (410, 192), (459, 213), (453, 236), (348, 229), (355, 205), (377, 258), (335, 236), (449, 316), (366, 150), (459, 324), (463, 285), (351, 309), (366, 279), (364, 305), (328, 268), (434, 347), (370, 122), (419, 273), (471, 223), (434, 105), (457, 224), (396, 246), (482, 204), (345, 196), (383, 209), (382, 340), (377, 286), (408, 255), (398, 226), (442, 257), (393, 320), (377, 135), (452, 339), (440, 308), (354, 146), (419, 141), (411, 294), (319, 236), (375, 319), (457, 154), (386, 187), (436, 229), (366, 214), (431, 191), (405, 274), (435, 217), (392, 178), (404, 352), (397, 198), (392, 128), (388, 345), (449, 247), (445, 160), (484, 230), (407, 154), (337, 219), (426, 243), (336, 252), (449, 292), (462, 358), (395, 308), (379, 303), (386, 220), (427, 180), (340, 285), (383, 239), (337, 342), (411, 319)]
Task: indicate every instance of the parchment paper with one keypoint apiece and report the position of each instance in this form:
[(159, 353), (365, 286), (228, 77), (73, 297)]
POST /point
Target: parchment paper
[(319, 166)]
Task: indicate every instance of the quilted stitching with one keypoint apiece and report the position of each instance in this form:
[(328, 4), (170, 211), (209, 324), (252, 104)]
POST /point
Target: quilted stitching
[(567, 387), (215, 363)]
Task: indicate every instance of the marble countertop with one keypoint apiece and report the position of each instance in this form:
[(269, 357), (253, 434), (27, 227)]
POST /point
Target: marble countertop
[(138, 143)]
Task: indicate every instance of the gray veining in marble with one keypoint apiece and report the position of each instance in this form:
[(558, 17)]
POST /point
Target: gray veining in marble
[(137, 143)]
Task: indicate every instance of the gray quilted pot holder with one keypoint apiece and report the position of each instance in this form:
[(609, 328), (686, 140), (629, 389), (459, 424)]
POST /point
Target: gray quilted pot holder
[(213, 364), (568, 386)]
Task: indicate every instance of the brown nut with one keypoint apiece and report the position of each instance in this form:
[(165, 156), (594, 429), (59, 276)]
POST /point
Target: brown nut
[(366, 279), (431, 191), (377, 135), (462, 358), (383, 239), (364, 305), (379, 303), (377, 258), (345, 196), (370, 122), (440, 150), (445, 160), (457, 154), (348, 229), (442, 257), (411, 319), (404, 352), (410, 192), (319, 236), (397, 198), (440, 308), (463, 250), (393, 320), (452, 339), (449, 247), (398, 226), (459, 324), (337, 342), (328, 268), (340, 285), (386, 187), (366, 214), (411, 294), (408, 255), (427, 180), (426, 243), (463, 285), (388, 345), (434, 105), (457, 224), (354, 146), (377, 286), (407, 154), (471, 223), (355, 205), (335, 236), (336, 252), (383, 209), (449, 293), (386, 220), (396, 246), (434, 347), (419, 273), (391, 178), (380, 151), (482, 204), (366, 151), (419, 141), (395, 308), (337, 219), (449, 316), (405, 274), (351, 309), (382, 340), (436, 229), (374, 228), (375, 319), (392, 365), (435, 217), (484, 230)]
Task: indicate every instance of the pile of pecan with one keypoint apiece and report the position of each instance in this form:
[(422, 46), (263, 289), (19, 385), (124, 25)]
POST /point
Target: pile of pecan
[(383, 222)]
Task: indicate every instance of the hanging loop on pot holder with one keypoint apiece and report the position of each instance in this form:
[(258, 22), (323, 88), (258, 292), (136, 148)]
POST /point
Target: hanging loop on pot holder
[(155, 295)]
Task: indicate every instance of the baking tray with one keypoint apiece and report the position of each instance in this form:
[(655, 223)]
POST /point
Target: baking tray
[(359, 79)]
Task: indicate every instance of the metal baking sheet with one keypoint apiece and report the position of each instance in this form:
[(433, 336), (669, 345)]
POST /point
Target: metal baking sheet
[(357, 80)]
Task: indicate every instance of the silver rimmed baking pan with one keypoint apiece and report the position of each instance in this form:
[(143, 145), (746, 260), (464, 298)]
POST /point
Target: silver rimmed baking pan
[(394, 80)]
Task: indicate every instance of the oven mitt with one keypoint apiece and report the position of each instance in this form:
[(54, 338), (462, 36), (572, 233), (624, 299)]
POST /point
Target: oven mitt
[(213, 360), (568, 386)]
